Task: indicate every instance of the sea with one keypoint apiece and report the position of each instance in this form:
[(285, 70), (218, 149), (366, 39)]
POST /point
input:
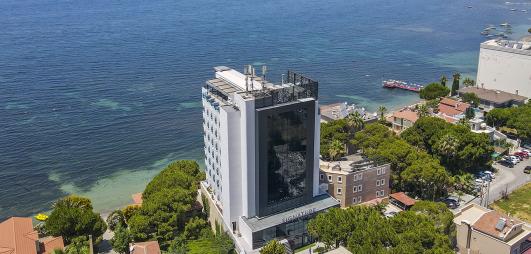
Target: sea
[(96, 97)]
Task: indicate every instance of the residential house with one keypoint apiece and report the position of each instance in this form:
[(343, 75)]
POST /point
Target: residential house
[(151, 247), (17, 236), (403, 119), (484, 231), (355, 180), (489, 98), (452, 110)]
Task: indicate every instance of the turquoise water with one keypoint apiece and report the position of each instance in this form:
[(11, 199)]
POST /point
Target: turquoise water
[(97, 96)]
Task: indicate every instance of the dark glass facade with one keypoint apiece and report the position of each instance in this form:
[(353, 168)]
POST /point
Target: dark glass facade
[(295, 232), (285, 156)]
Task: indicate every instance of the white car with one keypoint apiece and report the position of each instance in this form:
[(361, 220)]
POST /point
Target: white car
[(514, 159), (486, 172)]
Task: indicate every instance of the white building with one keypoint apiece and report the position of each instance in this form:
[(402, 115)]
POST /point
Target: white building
[(506, 66), (261, 155)]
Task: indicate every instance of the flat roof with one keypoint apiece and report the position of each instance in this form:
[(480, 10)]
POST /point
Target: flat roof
[(319, 203), (491, 95)]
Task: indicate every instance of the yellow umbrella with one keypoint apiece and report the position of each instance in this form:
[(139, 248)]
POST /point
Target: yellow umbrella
[(41, 217)]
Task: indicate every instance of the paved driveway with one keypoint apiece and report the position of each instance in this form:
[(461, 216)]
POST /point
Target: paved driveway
[(507, 180)]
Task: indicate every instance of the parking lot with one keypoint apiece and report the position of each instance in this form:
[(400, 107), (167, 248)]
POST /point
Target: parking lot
[(507, 180)]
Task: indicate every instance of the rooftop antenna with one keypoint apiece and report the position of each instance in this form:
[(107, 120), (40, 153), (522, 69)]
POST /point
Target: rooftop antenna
[(264, 71), (252, 77), (247, 71)]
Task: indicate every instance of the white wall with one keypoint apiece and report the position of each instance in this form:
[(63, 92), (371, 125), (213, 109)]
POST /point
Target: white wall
[(230, 164), (247, 141), (504, 71)]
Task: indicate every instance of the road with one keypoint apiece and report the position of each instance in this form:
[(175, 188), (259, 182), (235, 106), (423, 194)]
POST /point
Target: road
[(507, 180)]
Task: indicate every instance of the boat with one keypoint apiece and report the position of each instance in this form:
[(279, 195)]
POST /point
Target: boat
[(505, 24), (513, 9), (485, 33), (391, 83)]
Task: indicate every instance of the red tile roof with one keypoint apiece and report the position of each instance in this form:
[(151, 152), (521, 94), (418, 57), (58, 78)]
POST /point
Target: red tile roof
[(406, 114), (452, 107), (403, 198), (151, 247), (17, 236), (52, 243)]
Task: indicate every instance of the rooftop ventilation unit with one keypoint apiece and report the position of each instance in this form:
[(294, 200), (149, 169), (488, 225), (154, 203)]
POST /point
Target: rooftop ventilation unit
[(501, 224)]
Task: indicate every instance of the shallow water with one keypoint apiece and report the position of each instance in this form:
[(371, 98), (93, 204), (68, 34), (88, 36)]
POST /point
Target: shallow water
[(97, 96)]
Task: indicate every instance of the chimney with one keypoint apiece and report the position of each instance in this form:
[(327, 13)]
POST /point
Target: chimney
[(516, 91)]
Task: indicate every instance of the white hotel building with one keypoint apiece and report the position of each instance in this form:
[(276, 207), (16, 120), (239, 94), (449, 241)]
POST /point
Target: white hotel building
[(506, 66), (262, 157)]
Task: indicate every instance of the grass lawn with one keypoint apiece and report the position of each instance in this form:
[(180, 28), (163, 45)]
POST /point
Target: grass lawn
[(518, 204), (304, 248)]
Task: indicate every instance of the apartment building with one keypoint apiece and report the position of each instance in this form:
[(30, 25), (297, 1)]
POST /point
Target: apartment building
[(484, 231), (355, 179), (261, 155), (505, 65)]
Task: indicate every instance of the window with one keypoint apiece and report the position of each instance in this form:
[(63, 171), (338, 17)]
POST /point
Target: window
[(339, 191), (378, 171), (330, 178), (321, 177), (355, 189), (380, 193), (358, 177), (339, 179), (380, 182), (356, 200), (359, 187)]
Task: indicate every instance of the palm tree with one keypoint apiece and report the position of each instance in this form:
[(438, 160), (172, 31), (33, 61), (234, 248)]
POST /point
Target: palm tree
[(381, 112), (468, 82), (443, 80), (423, 110), (355, 121), (447, 147), (336, 150)]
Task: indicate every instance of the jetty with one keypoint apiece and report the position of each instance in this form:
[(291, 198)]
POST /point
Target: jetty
[(391, 83)]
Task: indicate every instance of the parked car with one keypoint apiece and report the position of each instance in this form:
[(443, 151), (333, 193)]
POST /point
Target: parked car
[(527, 170), (451, 203), (489, 173), (507, 163), (514, 159), (522, 155)]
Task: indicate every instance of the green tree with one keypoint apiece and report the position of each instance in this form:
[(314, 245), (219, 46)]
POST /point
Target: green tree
[(273, 247), (121, 239), (423, 110), (336, 150), (372, 136), (58, 251), (455, 83), (78, 245), (115, 218), (193, 228), (73, 219), (468, 82), (381, 112), (355, 121), (433, 91), (331, 131), (447, 147), (439, 214), (129, 211), (470, 113), (426, 179), (471, 98), (169, 201), (443, 80)]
